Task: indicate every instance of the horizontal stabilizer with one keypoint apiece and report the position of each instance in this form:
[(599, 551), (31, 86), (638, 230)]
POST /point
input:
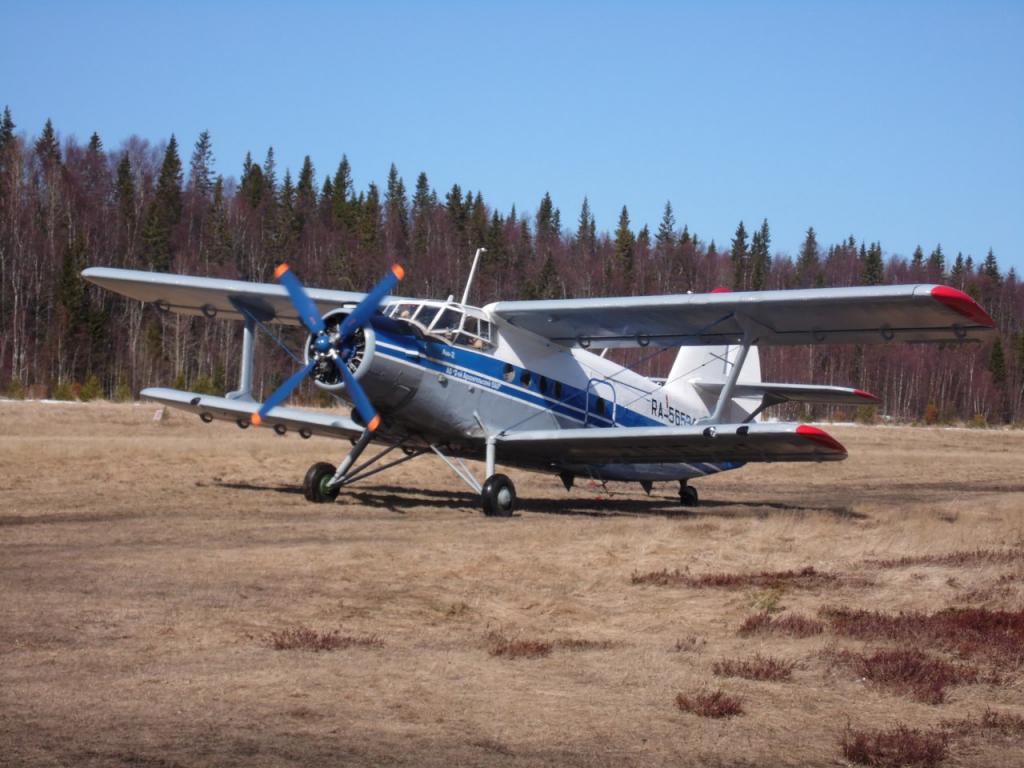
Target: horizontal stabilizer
[(720, 443), (774, 394), (290, 419)]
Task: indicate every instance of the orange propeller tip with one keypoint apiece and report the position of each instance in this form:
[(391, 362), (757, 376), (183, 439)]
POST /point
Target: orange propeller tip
[(398, 271), (281, 269), (372, 426), (256, 420)]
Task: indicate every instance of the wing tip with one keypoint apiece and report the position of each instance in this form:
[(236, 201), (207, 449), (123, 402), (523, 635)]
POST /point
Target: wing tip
[(960, 302), (867, 395), (821, 437)]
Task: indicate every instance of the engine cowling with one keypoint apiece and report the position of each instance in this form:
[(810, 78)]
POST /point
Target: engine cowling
[(357, 352)]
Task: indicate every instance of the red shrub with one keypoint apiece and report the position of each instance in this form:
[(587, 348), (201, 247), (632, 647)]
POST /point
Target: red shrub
[(900, 746), (710, 704)]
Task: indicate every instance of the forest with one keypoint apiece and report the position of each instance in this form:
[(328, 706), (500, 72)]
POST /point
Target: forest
[(161, 206)]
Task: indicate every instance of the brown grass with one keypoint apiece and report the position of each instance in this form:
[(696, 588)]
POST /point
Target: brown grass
[(790, 625), (1002, 723), (953, 559), (906, 671), (137, 601), (895, 748), (756, 668), (306, 639), (516, 648), (996, 637), (806, 577), (715, 704)]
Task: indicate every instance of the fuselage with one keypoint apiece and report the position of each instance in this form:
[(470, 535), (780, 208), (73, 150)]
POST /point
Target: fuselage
[(461, 377)]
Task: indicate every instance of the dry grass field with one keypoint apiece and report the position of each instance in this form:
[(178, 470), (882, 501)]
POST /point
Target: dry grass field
[(168, 598)]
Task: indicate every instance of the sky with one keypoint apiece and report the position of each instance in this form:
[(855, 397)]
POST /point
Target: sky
[(901, 122)]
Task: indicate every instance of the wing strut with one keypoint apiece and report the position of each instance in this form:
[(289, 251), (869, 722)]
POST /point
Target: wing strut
[(726, 394)]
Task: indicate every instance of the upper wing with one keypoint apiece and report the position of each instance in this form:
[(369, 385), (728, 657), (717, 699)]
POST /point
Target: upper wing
[(807, 316), (214, 297), (785, 393), (725, 442), (208, 406)]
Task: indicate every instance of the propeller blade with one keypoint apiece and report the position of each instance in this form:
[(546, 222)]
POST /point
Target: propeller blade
[(282, 392), (308, 313), (359, 398), (365, 309)]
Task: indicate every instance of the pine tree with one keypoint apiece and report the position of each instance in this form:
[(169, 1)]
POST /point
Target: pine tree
[(422, 211), (270, 173), (990, 268), (545, 219), (956, 275), (126, 190), (47, 146), (396, 215), (164, 211), (740, 259), (760, 258), (370, 223), (917, 263), (937, 264), (305, 188), (6, 129), (200, 177), (997, 363), (343, 212), (808, 263), (872, 270), (666, 238), (625, 245), (217, 232)]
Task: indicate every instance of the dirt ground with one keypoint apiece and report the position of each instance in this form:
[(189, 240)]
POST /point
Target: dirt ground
[(145, 567)]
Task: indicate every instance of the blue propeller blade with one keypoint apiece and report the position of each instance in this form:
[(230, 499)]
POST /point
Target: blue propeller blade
[(365, 309), (282, 392), (308, 313), (359, 398)]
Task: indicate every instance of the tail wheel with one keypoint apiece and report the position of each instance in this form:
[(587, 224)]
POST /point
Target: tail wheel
[(498, 496), (316, 486), (688, 496)]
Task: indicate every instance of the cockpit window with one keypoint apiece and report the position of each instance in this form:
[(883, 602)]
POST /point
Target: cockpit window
[(452, 323)]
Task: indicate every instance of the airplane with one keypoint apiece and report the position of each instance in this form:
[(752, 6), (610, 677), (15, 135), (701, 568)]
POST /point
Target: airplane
[(521, 381)]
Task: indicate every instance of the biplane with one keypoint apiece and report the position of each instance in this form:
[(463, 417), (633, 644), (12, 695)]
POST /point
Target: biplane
[(522, 383)]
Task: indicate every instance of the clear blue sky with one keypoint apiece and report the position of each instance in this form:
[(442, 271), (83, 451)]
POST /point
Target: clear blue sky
[(896, 121)]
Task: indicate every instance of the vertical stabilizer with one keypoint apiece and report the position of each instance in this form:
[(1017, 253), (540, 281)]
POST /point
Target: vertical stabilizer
[(713, 364)]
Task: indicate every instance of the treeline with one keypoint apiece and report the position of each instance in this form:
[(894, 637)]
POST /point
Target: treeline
[(65, 206)]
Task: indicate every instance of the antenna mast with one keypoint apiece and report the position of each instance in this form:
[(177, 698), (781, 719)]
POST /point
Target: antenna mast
[(472, 274)]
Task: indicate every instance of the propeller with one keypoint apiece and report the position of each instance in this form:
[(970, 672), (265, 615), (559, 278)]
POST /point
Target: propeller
[(335, 346)]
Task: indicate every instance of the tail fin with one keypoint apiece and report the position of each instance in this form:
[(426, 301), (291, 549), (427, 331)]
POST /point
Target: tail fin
[(713, 364)]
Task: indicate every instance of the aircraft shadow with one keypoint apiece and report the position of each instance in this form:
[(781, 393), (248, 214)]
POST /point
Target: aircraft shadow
[(398, 499)]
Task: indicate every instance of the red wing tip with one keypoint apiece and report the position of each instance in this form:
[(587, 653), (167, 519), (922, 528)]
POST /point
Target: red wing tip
[(960, 302), (281, 269), (721, 289), (256, 420), (398, 271), (821, 437), (867, 395)]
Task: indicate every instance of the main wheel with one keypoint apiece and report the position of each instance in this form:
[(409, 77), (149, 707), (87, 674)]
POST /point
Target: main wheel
[(688, 496), (498, 496), (315, 486)]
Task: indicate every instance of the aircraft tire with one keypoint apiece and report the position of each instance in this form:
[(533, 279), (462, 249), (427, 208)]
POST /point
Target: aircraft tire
[(498, 496), (688, 496), (314, 487)]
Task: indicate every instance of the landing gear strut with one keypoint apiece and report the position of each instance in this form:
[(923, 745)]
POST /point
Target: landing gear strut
[(688, 495)]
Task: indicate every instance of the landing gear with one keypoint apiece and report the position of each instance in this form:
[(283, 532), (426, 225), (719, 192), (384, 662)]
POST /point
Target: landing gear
[(317, 485), (688, 495), (499, 496)]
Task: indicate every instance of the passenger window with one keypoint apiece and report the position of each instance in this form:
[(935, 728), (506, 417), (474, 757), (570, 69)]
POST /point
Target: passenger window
[(542, 385), (525, 378), (600, 406), (509, 374), (485, 330), (558, 390)]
